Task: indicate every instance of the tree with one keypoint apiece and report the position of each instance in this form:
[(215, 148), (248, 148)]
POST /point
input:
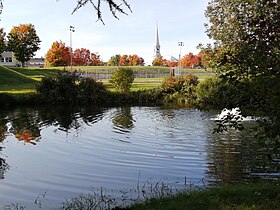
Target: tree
[(95, 59), (159, 61), (191, 60), (122, 79), (2, 41), (114, 60), (135, 60), (81, 57), (58, 55), (123, 60), (23, 41), (246, 54)]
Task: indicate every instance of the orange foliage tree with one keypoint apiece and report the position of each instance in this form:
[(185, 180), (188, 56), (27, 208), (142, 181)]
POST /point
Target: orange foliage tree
[(135, 60), (159, 61), (58, 55), (123, 60), (128, 60), (191, 60)]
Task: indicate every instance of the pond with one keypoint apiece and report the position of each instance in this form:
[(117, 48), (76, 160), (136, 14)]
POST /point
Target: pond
[(52, 154)]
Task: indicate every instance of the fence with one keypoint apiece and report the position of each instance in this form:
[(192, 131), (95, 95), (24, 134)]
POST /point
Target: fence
[(107, 75)]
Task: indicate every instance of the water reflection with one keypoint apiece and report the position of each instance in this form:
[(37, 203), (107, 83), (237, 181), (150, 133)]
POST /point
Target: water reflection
[(113, 146), (228, 156), (26, 123), (123, 120)]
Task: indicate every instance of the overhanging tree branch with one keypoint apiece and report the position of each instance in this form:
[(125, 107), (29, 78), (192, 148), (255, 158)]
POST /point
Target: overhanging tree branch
[(114, 7)]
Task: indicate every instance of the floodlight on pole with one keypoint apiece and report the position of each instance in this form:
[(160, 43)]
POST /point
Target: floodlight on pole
[(180, 44), (72, 29)]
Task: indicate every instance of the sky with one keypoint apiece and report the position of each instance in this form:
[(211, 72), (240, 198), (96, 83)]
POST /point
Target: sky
[(135, 33)]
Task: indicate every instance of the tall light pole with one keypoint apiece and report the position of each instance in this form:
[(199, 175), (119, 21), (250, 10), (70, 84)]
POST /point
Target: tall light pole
[(72, 29), (180, 44)]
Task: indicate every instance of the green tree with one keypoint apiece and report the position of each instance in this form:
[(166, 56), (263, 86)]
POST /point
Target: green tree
[(114, 60), (122, 79), (2, 41), (246, 54), (23, 41)]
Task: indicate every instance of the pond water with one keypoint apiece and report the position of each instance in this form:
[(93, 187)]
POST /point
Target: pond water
[(52, 154)]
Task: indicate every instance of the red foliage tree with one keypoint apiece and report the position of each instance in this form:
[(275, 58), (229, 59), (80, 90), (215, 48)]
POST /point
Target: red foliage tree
[(95, 59), (81, 57)]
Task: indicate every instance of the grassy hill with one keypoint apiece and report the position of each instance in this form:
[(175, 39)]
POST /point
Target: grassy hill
[(11, 80)]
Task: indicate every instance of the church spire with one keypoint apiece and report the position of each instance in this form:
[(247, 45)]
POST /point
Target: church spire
[(157, 47)]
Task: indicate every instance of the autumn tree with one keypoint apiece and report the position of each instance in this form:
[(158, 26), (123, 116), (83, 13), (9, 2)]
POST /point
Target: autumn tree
[(159, 61), (191, 60), (114, 60), (23, 41), (135, 60), (123, 60), (95, 59), (2, 41), (81, 57), (58, 55)]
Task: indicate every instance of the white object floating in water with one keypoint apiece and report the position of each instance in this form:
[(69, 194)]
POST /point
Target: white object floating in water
[(234, 113)]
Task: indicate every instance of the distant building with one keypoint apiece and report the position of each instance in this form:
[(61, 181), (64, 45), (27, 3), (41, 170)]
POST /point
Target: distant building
[(157, 46), (36, 62), (8, 59)]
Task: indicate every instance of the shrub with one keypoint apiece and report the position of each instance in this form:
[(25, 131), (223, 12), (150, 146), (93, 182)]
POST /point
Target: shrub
[(70, 88), (180, 89), (91, 91), (122, 79), (213, 91)]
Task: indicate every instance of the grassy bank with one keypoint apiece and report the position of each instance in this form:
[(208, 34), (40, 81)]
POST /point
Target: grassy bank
[(241, 196), (260, 195)]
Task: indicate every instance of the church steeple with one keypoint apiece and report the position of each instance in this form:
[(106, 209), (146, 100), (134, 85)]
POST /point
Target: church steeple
[(157, 47)]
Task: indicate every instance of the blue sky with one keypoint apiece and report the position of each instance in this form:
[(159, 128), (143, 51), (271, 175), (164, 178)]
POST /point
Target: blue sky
[(178, 20)]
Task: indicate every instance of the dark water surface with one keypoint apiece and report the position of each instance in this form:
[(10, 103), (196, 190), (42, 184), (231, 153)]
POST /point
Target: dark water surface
[(49, 155)]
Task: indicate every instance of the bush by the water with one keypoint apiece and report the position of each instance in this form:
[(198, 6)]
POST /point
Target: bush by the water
[(71, 88), (180, 89), (214, 92)]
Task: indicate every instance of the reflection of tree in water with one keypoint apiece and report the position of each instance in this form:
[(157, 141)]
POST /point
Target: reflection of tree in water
[(232, 156), (67, 118), (26, 123), (123, 118)]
